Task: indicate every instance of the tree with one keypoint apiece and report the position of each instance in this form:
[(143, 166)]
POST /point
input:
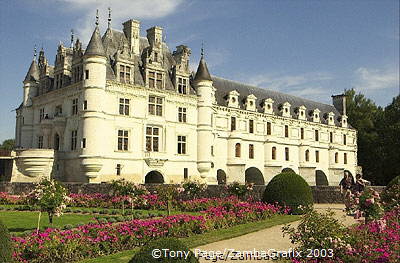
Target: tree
[(8, 144)]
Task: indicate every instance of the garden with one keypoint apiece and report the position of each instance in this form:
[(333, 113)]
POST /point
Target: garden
[(51, 225)]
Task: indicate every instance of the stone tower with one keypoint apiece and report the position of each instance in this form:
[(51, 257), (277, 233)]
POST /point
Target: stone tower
[(93, 97), (205, 92)]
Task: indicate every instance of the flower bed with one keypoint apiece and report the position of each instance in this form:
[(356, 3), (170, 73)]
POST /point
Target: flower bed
[(99, 239), (7, 199)]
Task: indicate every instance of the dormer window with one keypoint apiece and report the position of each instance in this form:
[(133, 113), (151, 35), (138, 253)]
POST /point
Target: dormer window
[(285, 109), (331, 118), (301, 112), (125, 74), (268, 106), (315, 115), (233, 99), (251, 102), (155, 80), (343, 121), (182, 85)]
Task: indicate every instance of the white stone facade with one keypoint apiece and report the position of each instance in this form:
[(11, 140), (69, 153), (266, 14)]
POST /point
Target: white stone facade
[(104, 128)]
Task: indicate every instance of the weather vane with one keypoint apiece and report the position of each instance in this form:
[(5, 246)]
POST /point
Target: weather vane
[(97, 17), (109, 17)]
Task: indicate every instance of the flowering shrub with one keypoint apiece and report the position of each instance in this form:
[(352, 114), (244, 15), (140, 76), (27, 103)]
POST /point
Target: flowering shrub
[(368, 205), (391, 194), (51, 197), (168, 193), (202, 204), (7, 199), (192, 188), (239, 190)]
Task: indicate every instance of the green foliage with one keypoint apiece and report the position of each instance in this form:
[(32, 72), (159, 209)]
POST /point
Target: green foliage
[(369, 204), (8, 144), (193, 188), (5, 244), (239, 190), (289, 189), (318, 231), (391, 194), (172, 244), (168, 193), (377, 138), (122, 187)]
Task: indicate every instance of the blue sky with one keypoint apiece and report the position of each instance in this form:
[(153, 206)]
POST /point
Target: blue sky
[(311, 49)]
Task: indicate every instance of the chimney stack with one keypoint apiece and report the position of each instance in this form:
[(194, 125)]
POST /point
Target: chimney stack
[(154, 35), (132, 33), (339, 101)]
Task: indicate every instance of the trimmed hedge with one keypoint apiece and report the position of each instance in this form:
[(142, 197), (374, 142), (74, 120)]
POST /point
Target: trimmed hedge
[(5, 244), (289, 189), (172, 244)]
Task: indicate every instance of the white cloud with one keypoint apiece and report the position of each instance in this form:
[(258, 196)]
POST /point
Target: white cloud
[(121, 10), (369, 80)]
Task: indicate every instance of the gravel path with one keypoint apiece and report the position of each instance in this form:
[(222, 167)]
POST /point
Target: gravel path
[(266, 239)]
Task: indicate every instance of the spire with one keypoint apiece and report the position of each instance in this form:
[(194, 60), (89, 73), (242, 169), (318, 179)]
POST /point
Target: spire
[(33, 72), (95, 46), (109, 17), (202, 70)]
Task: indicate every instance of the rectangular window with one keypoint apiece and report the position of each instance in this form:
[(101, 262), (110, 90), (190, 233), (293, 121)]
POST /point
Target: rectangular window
[(85, 105), (124, 74), (41, 114), (345, 158), (40, 142), (316, 135), (331, 137), (86, 74), (182, 85), (269, 128), (287, 153), (155, 105), (58, 110), (344, 139), (212, 150), (152, 139), (118, 169), (317, 156), (123, 140), (251, 126), (233, 123), (302, 133), (185, 173), (286, 131), (181, 114), (74, 106), (83, 143), (155, 80), (181, 144), (74, 139), (251, 151), (123, 106)]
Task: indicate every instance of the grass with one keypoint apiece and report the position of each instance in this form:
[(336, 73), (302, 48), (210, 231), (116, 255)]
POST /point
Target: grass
[(20, 221), (206, 238)]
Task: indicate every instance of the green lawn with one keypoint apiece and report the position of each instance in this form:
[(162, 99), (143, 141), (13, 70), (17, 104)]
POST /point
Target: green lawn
[(202, 239), (20, 221)]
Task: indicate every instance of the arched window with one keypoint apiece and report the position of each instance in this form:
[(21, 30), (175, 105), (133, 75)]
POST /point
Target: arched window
[(336, 157), (237, 150), (273, 153), (307, 155)]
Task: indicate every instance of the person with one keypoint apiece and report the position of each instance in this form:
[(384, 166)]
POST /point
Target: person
[(359, 186), (346, 185)]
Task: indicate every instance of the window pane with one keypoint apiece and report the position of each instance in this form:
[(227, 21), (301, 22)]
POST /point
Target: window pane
[(151, 83), (148, 144), (148, 130), (155, 131), (152, 99), (120, 132), (184, 148), (159, 100), (155, 144), (151, 109), (159, 110)]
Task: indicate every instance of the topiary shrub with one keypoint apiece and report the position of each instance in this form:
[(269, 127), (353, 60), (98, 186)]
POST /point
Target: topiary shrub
[(391, 195), (146, 253), (5, 244), (289, 189)]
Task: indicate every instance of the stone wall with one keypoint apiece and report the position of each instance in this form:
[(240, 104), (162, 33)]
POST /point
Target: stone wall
[(321, 194)]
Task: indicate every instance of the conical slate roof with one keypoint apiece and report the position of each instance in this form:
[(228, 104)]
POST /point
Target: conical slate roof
[(95, 46), (33, 72), (202, 71)]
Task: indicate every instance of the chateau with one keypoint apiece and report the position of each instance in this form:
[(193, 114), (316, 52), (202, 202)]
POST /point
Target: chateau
[(127, 107)]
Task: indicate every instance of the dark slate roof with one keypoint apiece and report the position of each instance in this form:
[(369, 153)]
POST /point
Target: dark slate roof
[(202, 71), (95, 46), (223, 87), (33, 72)]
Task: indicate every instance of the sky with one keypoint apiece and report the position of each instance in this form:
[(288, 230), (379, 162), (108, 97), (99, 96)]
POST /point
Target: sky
[(312, 49)]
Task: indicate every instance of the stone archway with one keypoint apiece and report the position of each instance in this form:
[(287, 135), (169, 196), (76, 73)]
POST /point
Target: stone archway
[(254, 175), (154, 177), (221, 176), (320, 178), (288, 170)]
